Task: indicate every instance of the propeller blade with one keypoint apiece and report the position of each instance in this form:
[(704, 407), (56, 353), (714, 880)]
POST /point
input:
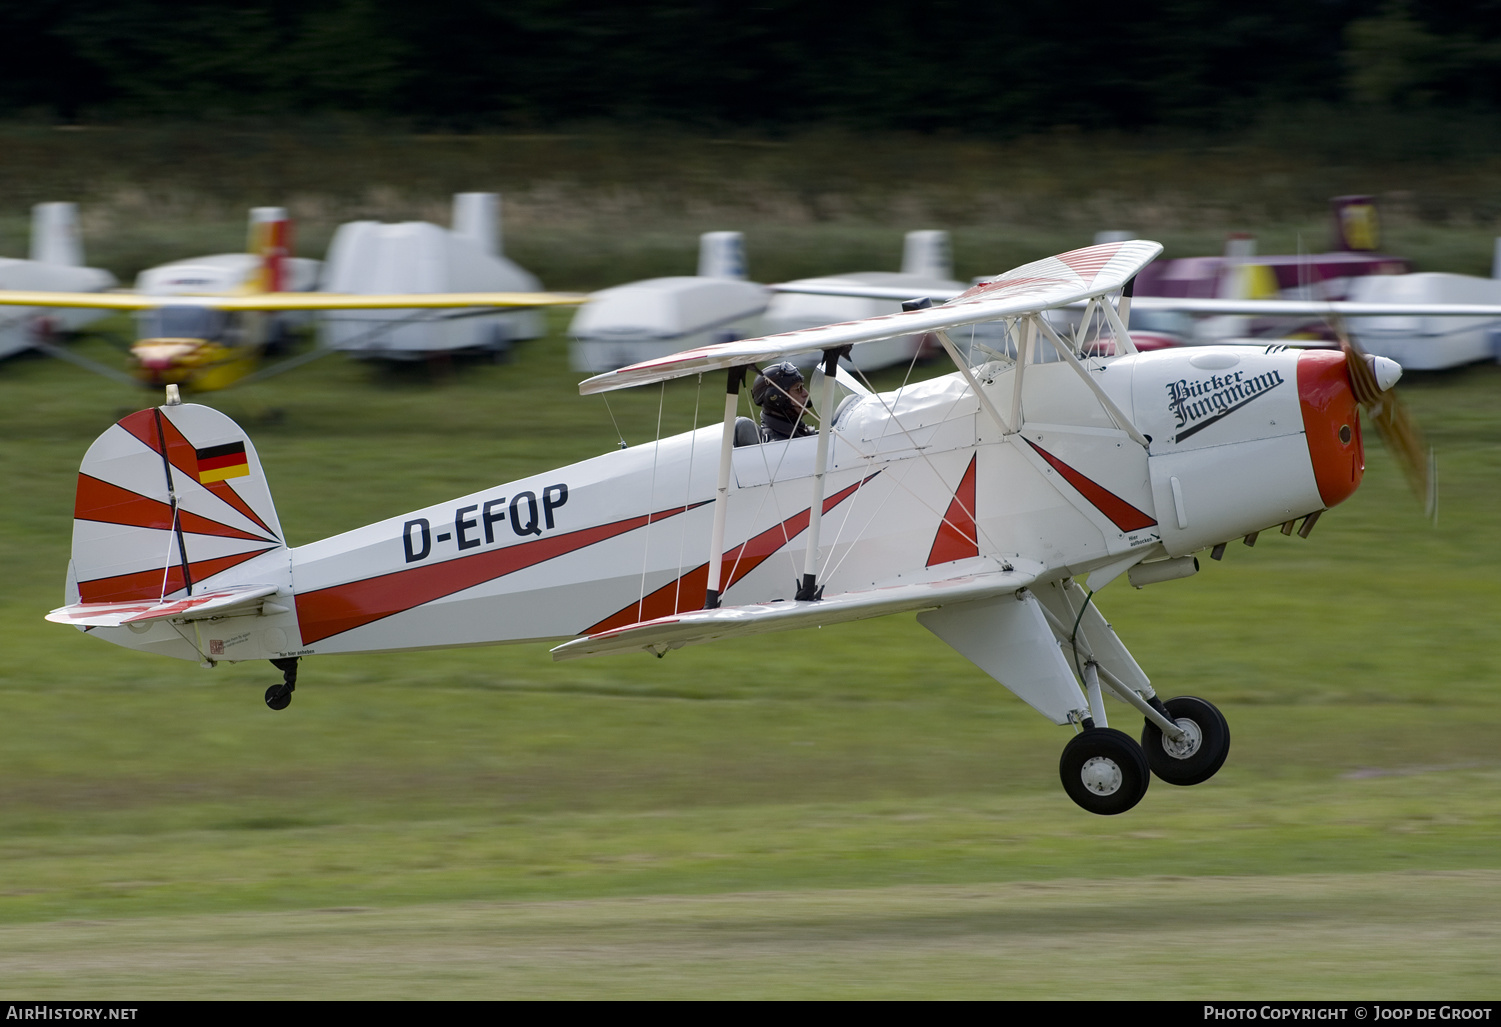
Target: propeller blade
[(1398, 431)]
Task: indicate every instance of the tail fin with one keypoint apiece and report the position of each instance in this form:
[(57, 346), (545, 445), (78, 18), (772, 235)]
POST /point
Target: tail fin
[(1355, 227), (54, 234), (722, 255), (927, 253), (271, 240), (477, 216), (172, 502)]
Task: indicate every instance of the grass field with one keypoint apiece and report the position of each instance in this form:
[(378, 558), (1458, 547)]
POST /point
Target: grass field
[(846, 812), (593, 208)]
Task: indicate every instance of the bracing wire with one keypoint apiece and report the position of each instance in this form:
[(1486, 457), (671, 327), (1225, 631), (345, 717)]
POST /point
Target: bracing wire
[(621, 435), (677, 596), (651, 502)]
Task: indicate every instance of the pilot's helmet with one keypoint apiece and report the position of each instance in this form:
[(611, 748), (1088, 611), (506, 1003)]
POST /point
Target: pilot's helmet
[(770, 389)]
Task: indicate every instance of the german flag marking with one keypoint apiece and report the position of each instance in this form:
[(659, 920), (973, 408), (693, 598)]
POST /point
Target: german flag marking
[(217, 463)]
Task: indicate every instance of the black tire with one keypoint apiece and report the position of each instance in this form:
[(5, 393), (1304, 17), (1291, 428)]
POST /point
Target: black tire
[(278, 697), (1198, 761), (1104, 771)]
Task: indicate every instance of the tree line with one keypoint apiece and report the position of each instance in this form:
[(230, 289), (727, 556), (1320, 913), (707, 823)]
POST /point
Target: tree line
[(940, 65)]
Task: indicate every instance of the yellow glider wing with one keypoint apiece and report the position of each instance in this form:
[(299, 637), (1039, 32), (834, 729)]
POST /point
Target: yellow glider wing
[(274, 301)]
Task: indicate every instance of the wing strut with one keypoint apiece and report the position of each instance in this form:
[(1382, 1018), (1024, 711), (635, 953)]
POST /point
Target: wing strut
[(736, 377), (963, 366), (1115, 412), (809, 589), (1122, 320), (1024, 348)]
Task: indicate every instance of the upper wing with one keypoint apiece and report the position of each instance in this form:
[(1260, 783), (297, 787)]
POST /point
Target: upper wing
[(702, 626), (1252, 307), (1040, 285), (861, 291), (274, 301), (1314, 308)]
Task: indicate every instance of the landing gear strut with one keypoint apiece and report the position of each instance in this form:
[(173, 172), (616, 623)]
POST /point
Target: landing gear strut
[(279, 697), (1104, 771), (1202, 750)]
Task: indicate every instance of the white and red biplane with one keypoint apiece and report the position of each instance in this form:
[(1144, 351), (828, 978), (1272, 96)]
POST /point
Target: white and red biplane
[(978, 500)]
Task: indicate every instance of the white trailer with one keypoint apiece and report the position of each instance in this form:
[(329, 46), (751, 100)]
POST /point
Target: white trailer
[(55, 265), (927, 266), (658, 316), (368, 257)]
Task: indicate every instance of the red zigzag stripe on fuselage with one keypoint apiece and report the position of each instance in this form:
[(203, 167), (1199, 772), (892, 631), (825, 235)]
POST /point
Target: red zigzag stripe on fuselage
[(957, 538), (329, 611), (1121, 513), (688, 592)]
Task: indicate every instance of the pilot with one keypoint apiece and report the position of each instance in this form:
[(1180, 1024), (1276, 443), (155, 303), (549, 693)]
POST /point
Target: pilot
[(783, 398)]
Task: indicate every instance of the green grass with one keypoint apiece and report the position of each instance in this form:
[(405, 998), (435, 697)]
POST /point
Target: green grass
[(852, 811), (1414, 936)]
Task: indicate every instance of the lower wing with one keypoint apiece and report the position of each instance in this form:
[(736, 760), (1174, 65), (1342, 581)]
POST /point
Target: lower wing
[(700, 626)]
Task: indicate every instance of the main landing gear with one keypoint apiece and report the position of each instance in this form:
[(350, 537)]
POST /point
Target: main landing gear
[(1199, 753), (1106, 772), (279, 697)]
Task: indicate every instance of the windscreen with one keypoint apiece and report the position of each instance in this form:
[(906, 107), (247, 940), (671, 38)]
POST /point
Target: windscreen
[(182, 322)]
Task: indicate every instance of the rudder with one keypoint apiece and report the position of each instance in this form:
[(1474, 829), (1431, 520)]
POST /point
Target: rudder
[(172, 501)]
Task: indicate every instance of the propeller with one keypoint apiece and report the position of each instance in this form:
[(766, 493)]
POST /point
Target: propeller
[(1373, 379)]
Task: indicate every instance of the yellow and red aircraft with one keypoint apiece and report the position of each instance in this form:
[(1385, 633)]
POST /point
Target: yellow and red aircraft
[(210, 320)]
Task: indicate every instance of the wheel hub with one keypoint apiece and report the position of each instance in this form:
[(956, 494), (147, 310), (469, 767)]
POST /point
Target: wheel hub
[(1101, 775), (1184, 747)]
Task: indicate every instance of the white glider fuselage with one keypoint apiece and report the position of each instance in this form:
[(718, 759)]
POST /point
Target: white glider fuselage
[(923, 484)]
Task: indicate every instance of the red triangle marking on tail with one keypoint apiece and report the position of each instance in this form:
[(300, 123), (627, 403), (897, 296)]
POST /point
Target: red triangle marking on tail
[(101, 501), (183, 456)]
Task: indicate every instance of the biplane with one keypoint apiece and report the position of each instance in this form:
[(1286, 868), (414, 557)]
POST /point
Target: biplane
[(982, 501)]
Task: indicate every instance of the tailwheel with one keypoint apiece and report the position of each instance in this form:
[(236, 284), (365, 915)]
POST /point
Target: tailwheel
[(1199, 754), (1104, 771), (279, 697)]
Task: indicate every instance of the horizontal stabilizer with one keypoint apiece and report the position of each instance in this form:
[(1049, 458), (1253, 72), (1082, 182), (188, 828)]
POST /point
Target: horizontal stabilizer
[(273, 301), (1040, 285), (700, 626), (221, 602)]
